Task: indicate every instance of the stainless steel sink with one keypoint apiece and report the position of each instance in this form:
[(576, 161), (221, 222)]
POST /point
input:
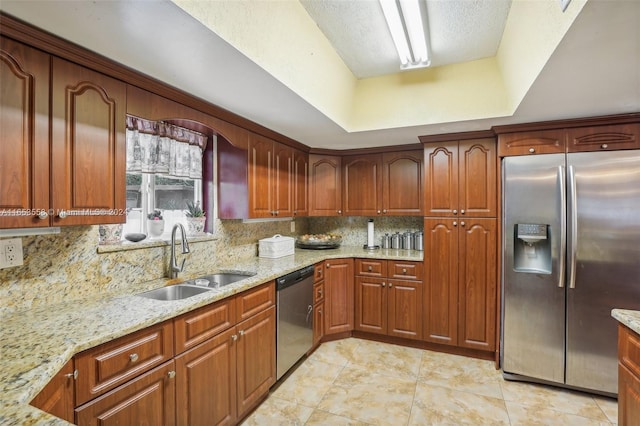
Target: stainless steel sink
[(221, 279), (174, 292)]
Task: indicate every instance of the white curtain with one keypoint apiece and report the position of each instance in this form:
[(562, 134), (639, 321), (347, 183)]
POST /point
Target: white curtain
[(163, 148)]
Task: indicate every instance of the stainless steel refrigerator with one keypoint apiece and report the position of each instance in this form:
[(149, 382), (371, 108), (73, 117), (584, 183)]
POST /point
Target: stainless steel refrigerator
[(571, 240)]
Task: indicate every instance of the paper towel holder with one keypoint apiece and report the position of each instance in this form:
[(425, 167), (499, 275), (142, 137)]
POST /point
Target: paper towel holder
[(370, 245)]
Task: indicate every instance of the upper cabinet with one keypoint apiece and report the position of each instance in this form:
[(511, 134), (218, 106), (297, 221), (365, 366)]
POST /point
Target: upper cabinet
[(460, 178), (325, 185), (81, 180), (300, 183), (362, 185), (402, 178)]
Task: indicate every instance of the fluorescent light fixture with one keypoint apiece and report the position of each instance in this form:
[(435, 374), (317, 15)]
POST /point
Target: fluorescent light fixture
[(404, 18), (23, 232)]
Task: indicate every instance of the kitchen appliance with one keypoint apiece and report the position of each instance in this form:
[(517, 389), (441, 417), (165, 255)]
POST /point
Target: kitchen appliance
[(294, 332), (571, 238)]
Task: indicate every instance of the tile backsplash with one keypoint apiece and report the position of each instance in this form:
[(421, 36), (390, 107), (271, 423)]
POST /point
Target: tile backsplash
[(67, 266)]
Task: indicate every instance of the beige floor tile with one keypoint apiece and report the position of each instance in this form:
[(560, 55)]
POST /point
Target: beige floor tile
[(308, 383), (361, 394), (461, 373), (522, 415), (338, 352), (384, 358), (434, 405), (276, 411), (548, 397), (323, 418), (609, 406)]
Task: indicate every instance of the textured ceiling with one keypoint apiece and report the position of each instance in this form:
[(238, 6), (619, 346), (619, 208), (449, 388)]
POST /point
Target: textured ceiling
[(459, 31)]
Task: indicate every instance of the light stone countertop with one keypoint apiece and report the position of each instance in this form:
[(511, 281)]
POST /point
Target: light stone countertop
[(35, 344), (627, 317)]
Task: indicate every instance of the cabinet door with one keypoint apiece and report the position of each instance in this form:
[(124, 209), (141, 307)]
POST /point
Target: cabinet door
[(339, 296), (477, 178), (57, 396), (256, 359), (441, 281), (318, 322), (88, 151), (300, 183), (201, 324), (362, 185), (371, 305), (477, 284), (402, 175), (404, 309), (24, 135), (145, 400), (628, 397), (206, 383), (529, 143), (325, 180), (283, 179), (604, 138), (261, 178), (441, 179)]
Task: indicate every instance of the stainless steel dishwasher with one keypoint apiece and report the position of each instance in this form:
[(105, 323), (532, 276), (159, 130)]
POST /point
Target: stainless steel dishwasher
[(294, 293)]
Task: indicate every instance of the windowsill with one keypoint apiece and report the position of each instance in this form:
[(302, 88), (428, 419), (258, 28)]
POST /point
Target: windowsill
[(125, 245)]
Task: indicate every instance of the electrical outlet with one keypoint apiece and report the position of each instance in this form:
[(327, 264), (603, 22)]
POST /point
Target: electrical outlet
[(11, 253), (293, 226)]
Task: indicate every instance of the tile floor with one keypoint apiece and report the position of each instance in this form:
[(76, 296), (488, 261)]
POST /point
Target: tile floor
[(359, 382)]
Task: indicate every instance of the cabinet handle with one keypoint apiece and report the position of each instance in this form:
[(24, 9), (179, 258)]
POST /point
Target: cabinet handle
[(455, 211), (277, 212), (532, 150), (404, 270), (370, 268), (328, 266), (62, 214), (339, 211), (604, 146), (384, 284), (234, 337), (461, 223), (390, 285), (171, 374), (43, 215), (379, 212), (73, 375), (462, 211), (241, 333), (133, 357), (455, 223), (295, 212), (384, 211), (320, 292)]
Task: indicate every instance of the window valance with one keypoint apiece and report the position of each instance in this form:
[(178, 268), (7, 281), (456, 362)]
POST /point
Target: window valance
[(160, 147)]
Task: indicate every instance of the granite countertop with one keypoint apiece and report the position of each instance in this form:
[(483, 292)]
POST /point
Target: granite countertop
[(35, 344), (627, 317)]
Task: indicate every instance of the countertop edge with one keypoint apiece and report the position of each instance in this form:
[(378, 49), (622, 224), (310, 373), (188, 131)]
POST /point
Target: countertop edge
[(627, 317)]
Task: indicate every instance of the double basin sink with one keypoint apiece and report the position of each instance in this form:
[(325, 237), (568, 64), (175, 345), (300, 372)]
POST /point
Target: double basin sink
[(196, 286)]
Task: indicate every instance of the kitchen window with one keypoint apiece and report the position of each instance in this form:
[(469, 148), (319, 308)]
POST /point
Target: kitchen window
[(164, 172)]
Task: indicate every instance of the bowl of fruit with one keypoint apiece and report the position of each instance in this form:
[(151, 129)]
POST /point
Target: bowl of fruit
[(319, 241)]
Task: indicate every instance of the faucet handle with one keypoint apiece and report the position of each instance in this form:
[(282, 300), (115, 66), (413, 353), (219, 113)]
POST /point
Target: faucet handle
[(182, 265)]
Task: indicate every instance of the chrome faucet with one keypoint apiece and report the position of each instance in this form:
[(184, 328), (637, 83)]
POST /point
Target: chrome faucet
[(174, 269)]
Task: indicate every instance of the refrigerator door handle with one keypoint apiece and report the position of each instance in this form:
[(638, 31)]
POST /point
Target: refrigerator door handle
[(573, 242), (563, 222)]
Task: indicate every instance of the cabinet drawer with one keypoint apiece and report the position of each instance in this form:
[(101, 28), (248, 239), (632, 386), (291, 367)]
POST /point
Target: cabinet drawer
[(528, 143), (106, 366), (371, 267), (405, 270), (195, 327), (318, 292), (629, 349), (604, 138), (255, 300), (318, 273)]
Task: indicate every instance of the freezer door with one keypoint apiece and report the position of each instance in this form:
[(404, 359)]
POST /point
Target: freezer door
[(603, 261), (533, 322)]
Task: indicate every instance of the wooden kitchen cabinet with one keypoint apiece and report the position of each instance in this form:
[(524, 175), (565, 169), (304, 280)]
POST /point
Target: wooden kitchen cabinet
[(460, 288), (200, 325), (460, 178), (551, 141), (300, 183), (604, 138), (57, 397), (628, 376), (148, 399), (318, 303), (385, 305), (362, 185), (339, 296), (402, 183), (325, 185)]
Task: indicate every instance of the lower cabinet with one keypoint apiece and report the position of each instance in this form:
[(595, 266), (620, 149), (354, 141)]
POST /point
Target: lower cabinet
[(388, 306), (628, 376), (148, 399), (339, 296), (57, 397), (318, 303)]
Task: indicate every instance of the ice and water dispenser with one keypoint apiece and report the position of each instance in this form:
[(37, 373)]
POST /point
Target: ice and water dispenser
[(532, 248)]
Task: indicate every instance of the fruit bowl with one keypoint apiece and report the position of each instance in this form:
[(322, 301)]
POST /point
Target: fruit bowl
[(319, 241)]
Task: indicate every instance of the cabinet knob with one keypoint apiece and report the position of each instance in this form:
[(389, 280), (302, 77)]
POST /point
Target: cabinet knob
[(379, 212), (43, 215), (241, 333), (339, 211), (604, 146), (461, 223), (328, 266), (404, 270), (133, 357), (73, 375), (462, 211), (455, 211), (277, 212), (171, 374), (320, 292), (384, 211), (455, 223), (295, 212), (370, 268), (532, 150), (390, 285), (62, 214), (384, 284), (234, 337)]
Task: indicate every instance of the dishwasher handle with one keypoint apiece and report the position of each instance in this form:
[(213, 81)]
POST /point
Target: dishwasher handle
[(309, 312), (294, 277)]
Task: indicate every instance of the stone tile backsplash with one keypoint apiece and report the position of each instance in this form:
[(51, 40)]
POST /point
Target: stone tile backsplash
[(354, 229)]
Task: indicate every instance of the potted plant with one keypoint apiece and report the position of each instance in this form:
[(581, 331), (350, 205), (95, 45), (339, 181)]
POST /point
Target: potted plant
[(195, 218), (155, 224)]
